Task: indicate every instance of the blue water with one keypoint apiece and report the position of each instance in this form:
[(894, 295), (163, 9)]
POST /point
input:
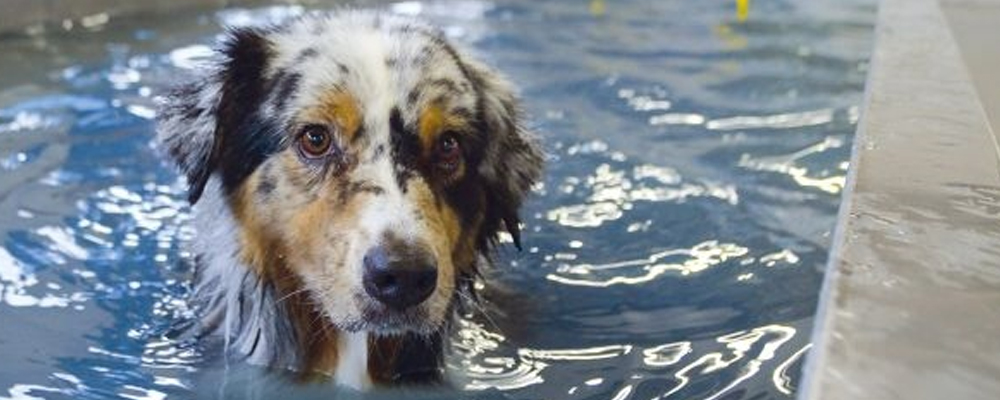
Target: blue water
[(674, 251)]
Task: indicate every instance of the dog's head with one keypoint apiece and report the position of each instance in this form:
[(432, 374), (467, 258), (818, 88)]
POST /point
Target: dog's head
[(366, 161)]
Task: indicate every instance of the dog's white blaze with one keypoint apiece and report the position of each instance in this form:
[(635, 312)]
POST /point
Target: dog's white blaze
[(352, 360), (390, 212)]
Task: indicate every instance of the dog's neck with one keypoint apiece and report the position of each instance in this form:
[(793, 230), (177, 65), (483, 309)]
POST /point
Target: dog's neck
[(273, 326)]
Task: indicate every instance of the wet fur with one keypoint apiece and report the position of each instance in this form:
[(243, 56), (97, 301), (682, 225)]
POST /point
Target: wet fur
[(279, 239)]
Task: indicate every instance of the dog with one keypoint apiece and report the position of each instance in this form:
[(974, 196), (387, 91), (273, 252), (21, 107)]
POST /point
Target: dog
[(349, 174)]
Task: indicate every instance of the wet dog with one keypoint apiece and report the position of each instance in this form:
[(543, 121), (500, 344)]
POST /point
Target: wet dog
[(349, 174)]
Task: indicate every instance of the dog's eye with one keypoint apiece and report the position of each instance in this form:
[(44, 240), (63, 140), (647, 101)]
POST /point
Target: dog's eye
[(315, 141), (449, 151)]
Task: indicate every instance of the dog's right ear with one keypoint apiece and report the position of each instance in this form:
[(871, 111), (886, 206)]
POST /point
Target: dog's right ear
[(185, 130), (194, 118)]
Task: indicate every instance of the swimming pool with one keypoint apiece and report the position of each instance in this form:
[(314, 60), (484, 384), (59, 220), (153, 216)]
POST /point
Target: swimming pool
[(674, 250)]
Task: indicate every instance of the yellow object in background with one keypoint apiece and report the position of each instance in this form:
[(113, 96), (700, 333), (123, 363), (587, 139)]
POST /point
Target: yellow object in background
[(597, 8), (742, 10)]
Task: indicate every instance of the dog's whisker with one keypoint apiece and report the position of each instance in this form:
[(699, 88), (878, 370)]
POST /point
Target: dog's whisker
[(478, 307), (290, 294)]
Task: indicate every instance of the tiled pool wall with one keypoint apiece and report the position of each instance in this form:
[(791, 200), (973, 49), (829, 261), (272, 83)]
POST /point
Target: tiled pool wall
[(909, 309)]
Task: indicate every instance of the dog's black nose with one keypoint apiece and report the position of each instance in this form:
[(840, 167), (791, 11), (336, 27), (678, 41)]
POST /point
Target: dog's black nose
[(399, 276)]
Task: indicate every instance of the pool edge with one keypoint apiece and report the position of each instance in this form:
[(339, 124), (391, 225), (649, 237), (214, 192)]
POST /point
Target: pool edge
[(894, 320)]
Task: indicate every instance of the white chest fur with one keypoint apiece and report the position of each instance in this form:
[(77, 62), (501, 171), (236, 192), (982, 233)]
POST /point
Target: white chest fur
[(352, 360)]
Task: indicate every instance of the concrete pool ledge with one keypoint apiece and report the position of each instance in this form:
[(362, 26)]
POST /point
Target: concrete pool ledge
[(911, 304)]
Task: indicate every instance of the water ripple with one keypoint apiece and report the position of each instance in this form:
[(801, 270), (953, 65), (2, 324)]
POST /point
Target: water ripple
[(778, 121), (790, 165), (632, 272), (613, 191), (684, 363)]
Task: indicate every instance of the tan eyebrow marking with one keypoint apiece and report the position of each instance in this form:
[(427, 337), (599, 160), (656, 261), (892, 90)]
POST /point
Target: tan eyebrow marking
[(433, 121), (340, 108)]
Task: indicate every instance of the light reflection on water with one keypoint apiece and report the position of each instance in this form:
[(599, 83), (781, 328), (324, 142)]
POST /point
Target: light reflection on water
[(685, 361), (688, 261), (674, 249)]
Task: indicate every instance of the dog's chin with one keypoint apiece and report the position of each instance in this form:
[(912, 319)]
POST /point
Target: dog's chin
[(384, 321)]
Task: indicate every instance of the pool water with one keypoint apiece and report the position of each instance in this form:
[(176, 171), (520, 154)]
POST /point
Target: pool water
[(674, 250)]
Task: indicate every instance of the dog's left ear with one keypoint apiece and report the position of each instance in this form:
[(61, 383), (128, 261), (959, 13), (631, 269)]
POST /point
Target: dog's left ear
[(513, 160)]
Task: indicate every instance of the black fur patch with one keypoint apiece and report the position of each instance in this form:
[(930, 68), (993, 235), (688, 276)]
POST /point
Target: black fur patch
[(193, 113), (186, 104), (405, 149), (396, 123), (283, 87), (306, 55), (359, 135), (353, 188), (412, 97), (423, 57), (465, 198), (420, 360), (447, 85), (378, 153), (463, 113), (243, 138), (267, 184), (406, 359)]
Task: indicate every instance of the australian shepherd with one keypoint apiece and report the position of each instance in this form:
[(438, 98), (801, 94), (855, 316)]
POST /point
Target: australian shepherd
[(349, 173)]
